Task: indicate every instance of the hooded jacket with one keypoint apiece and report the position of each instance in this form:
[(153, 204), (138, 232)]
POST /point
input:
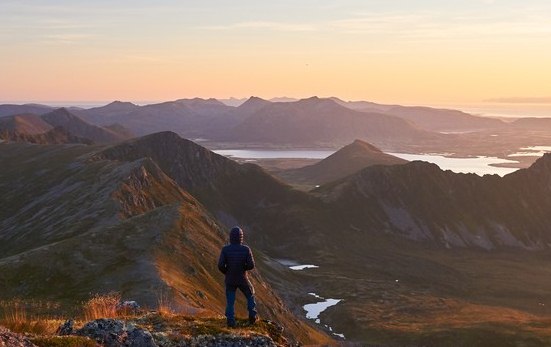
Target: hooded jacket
[(236, 259)]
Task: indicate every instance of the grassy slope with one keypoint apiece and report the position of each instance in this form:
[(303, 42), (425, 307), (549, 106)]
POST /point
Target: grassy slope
[(442, 297), (149, 239)]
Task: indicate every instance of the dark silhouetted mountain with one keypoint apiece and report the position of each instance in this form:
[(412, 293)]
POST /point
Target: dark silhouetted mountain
[(78, 127), (323, 122), (10, 110), (342, 163)]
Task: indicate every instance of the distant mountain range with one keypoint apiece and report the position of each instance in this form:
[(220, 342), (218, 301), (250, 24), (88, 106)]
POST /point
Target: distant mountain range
[(285, 121), (322, 121), (406, 243), (427, 118)]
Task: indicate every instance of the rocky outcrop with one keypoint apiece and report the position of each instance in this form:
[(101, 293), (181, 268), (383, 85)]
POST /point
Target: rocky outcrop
[(122, 333), (10, 339), (221, 340), (116, 333)]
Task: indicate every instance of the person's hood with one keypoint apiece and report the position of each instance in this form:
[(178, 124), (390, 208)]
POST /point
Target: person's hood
[(236, 236)]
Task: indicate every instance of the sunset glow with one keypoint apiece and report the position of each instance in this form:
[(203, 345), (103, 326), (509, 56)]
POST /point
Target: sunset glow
[(385, 51)]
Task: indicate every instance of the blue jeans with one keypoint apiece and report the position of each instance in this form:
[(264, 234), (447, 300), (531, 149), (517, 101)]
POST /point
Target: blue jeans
[(247, 290)]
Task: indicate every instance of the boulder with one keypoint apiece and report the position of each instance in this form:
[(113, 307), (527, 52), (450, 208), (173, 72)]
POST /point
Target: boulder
[(66, 328), (115, 333)]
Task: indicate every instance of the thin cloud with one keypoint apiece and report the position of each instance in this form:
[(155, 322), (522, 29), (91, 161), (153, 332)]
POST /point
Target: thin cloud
[(274, 26), (66, 39), (440, 26)]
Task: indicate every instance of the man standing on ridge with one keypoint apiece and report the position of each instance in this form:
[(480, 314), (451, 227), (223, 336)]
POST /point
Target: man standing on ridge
[(234, 262)]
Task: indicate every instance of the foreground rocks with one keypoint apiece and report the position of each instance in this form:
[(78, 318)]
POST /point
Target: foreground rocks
[(222, 340), (9, 339), (120, 333), (153, 330), (116, 333)]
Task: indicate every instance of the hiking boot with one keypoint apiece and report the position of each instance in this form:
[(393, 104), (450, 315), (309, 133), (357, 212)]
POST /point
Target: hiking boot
[(231, 323)]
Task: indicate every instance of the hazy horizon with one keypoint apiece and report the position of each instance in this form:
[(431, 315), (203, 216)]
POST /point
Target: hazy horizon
[(481, 108)]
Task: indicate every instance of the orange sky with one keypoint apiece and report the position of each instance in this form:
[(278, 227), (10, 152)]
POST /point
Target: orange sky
[(424, 52)]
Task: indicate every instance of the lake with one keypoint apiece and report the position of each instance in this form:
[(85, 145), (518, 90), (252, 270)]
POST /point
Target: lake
[(477, 165), (314, 310), (274, 154), (533, 151)]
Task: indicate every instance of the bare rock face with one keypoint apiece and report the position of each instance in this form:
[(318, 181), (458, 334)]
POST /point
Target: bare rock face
[(421, 202), (66, 328), (9, 339)]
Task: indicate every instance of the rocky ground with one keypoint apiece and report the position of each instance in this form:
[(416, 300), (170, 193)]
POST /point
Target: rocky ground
[(151, 330)]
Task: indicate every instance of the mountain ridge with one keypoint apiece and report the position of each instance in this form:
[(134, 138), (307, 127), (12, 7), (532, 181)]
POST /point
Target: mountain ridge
[(124, 219), (423, 202)]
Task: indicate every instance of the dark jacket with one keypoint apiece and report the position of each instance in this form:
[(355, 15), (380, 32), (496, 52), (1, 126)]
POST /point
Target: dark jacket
[(236, 259)]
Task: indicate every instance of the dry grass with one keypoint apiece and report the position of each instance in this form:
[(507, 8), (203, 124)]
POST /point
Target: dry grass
[(163, 307), (16, 317), (102, 306)]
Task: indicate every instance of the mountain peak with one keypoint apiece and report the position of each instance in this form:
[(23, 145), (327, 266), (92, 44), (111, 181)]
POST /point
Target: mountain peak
[(346, 161), (119, 103), (363, 145), (542, 165), (196, 101), (315, 100), (256, 99), (253, 104)]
